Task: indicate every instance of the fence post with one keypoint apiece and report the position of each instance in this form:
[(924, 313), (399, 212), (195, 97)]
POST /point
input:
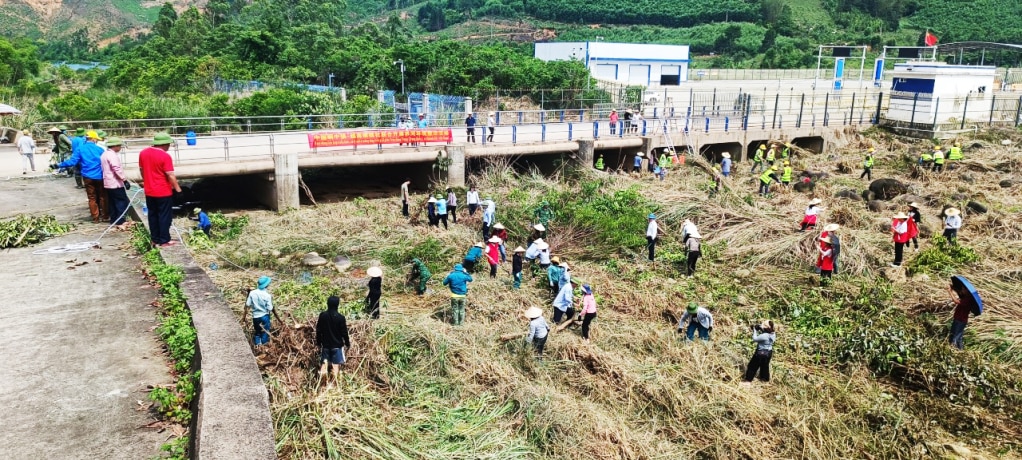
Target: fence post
[(569, 129), (780, 121), (826, 109), (450, 120), (777, 102), (707, 124), (514, 134), (880, 102), (912, 119), (620, 128), (993, 100), (654, 112), (308, 120), (248, 123), (851, 114), (562, 116), (519, 117), (596, 130), (643, 127), (498, 117), (1018, 111), (688, 116), (542, 116), (936, 113), (727, 122), (801, 107), (581, 115), (965, 111), (748, 109), (542, 135)]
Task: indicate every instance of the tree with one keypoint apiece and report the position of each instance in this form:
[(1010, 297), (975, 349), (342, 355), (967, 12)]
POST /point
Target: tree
[(165, 20)]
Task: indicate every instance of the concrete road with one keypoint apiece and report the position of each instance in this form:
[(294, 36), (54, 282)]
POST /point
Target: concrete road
[(78, 353)]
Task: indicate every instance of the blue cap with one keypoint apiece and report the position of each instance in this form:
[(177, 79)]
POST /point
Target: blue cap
[(587, 289), (651, 216), (263, 282), (458, 268)]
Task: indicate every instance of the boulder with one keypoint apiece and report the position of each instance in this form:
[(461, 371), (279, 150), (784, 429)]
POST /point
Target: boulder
[(976, 207), (868, 195), (876, 205), (341, 263), (742, 273), (909, 198), (959, 197), (923, 278), (925, 230), (849, 194), (968, 178), (313, 259), (844, 168), (895, 274), (1007, 183), (885, 189)]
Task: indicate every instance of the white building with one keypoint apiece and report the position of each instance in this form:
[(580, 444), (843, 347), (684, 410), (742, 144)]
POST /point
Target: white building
[(629, 63), (937, 92)]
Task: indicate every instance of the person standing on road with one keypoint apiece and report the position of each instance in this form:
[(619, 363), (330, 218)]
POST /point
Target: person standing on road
[(261, 303), (452, 205), (491, 124), (457, 281), (764, 337), (160, 183), (651, 236), (375, 291), (952, 222), (867, 165), (538, 330), (26, 145), (114, 182), (470, 128), (61, 145), (696, 318), (899, 232), (472, 198), (87, 158), (725, 164), (588, 310), (613, 121), (404, 196), (332, 338), (76, 143)]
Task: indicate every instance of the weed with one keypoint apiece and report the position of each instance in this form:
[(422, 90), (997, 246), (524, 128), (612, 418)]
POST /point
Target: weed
[(942, 258)]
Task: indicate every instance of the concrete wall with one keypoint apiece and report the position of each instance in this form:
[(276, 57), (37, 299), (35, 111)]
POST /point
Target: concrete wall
[(232, 407)]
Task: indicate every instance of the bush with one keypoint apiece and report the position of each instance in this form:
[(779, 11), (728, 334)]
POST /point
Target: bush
[(942, 258)]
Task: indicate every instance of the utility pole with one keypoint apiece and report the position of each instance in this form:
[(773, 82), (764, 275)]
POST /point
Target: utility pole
[(402, 63)]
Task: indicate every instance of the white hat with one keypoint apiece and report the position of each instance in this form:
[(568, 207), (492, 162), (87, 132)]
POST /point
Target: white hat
[(494, 239), (640, 154), (490, 114), (831, 227), (479, 245), (951, 212), (902, 215), (725, 155), (374, 272), (913, 205), (538, 241), (815, 201), (825, 239), (431, 200), (519, 249), (694, 234), (539, 227), (542, 245), (564, 265), (498, 226), (533, 312)]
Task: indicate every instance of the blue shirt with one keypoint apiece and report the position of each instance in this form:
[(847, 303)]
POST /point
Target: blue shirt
[(423, 123), (638, 162), (474, 254), (441, 206), (204, 220), (489, 215), (470, 121), (458, 281), (564, 298), (87, 155), (553, 274), (260, 302), (725, 166)]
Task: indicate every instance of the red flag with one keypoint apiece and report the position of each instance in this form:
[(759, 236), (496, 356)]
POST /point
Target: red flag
[(930, 40)]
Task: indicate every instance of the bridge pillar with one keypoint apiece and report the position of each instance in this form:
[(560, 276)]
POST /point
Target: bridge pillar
[(279, 191), (647, 144), (456, 170), (586, 149)]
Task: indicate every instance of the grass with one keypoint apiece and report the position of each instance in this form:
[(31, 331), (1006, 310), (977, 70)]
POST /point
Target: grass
[(860, 366)]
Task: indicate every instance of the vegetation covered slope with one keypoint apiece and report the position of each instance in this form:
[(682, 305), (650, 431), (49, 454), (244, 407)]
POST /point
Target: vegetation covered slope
[(861, 368)]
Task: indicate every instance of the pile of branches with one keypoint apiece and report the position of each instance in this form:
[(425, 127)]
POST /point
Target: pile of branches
[(25, 230)]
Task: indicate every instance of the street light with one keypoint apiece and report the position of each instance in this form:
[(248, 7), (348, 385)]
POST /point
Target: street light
[(402, 62)]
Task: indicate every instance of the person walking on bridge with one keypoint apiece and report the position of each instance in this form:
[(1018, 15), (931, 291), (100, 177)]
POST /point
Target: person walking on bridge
[(491, 124), (26, 146), (160, 183), (470, 128), (613, 121)]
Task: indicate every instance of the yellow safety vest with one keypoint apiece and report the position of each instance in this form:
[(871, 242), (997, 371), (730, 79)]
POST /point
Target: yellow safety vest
[(955, 153), (938, 157), (766, 177), (786, 177), (599, 163), (869, 161), (770, 155)]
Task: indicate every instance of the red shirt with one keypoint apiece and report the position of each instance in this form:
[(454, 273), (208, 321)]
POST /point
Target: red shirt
[(827, 260), (154, 164), (493, 253), (963, 309)]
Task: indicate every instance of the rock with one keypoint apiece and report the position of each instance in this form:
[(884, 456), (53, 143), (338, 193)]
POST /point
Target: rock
[(895, 274), (803, 186), (925, 230), (742, 273), (282, 260), (876, 205), (923, 278), (849, 194), (313, 259), (976, 207), (341, 263), (968, 178), (885, 189), (909, 198), (868, 195), (959, 197), (742, 300), (275, 254), (1007, 183), (815, 176), (843, 168)]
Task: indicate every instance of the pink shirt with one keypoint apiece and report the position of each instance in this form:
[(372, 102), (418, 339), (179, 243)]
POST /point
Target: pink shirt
[(588, 304), (113, 175)]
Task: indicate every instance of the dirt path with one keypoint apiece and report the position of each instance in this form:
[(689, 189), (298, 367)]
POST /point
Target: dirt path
[(77, 349)]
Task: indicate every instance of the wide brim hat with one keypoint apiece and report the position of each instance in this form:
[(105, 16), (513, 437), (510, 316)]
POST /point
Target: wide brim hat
[(913, 205), (543, 245), (263, 282), (762, 146), (479, 245), (640, 154), (79, 131), (53, 130), (695, 234), (374, 272), (613, 110), (494, 239), (431, 200), (651, 216), (901, 215), (196, 210), (725, 155), (498, 226), (26, 132), (533, 312), (519, 249), (539, 241), (162, 139), (815, 201), (539, 227), (952, 212), (825, 239), (114, 142), (692, 307), (555, 259), (831, 227), (565, 265)]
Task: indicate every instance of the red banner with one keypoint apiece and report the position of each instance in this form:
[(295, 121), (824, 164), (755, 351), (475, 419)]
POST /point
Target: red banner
[(379, 137)]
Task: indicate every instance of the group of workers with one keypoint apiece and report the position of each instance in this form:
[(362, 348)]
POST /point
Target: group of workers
[(936, 160)]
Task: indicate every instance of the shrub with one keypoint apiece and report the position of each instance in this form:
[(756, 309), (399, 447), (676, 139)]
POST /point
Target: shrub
[(942, 258)]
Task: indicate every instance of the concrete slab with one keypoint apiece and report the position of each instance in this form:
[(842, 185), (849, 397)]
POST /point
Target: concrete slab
[(78, 350)]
